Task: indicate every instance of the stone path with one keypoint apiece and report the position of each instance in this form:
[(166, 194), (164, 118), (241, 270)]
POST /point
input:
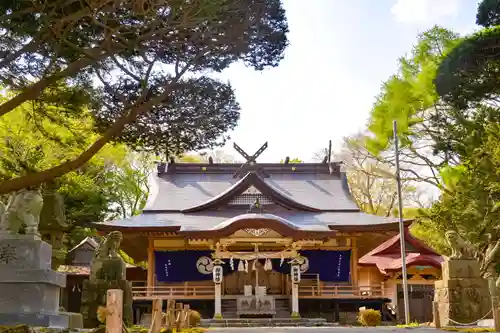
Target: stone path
[(321, 330)]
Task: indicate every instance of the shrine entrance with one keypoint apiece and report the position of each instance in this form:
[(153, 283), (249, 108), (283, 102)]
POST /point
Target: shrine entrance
[(276, 283)]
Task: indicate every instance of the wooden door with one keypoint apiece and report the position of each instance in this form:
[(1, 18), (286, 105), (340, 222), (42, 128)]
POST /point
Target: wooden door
[(420, 299)]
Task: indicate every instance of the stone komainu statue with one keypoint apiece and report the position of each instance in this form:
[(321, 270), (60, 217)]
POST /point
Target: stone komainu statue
[(460, 249), (107, 263), (24, 207), (107, 271)]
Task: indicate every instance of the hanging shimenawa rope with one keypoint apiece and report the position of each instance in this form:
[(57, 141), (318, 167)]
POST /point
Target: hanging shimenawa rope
[(257, 255), (472, 323)]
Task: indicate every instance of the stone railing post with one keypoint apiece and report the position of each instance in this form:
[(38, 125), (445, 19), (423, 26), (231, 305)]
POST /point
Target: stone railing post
[(435, 315), (114, 306), (495, 303)]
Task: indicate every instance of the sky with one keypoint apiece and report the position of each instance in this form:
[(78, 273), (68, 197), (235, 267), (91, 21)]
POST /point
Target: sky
[(340, 53)]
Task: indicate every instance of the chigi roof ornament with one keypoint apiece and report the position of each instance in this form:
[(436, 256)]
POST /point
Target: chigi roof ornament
[(250, 164)]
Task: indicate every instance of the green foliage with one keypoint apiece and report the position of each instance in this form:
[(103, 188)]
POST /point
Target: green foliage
[(468, 74), (145, 69), (194, 318), (488, 13), (409, 94), (111, 184), (370, 317)]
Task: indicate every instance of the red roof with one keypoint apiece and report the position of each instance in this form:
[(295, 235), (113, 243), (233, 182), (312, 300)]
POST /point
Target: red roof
[(387, 256)]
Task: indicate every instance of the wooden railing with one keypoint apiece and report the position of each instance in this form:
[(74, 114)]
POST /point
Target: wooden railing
[(328, 290), (310, 289), (178, 292)]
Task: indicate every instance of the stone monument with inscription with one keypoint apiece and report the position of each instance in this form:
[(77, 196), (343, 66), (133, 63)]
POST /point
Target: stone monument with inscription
[(462, 295), (29, 288), (107, 271)]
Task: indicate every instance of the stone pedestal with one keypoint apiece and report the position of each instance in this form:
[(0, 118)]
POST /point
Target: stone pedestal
[(94, 295), (29, 288), (462, 295)]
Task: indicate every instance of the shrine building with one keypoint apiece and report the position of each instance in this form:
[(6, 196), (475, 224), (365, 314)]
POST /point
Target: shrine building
[(270, 240)]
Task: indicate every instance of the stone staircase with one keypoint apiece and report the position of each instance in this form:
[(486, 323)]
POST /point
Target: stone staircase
[(229, 309), (282, 308), (263, 322)]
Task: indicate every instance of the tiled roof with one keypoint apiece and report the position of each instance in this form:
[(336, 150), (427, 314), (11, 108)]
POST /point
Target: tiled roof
[(317, 188), (208, 220), (87, 240), (80, 270), (387, 256)]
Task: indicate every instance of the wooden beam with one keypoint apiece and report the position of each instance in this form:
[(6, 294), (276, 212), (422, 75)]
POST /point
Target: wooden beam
[(354, 261), (151, 265)]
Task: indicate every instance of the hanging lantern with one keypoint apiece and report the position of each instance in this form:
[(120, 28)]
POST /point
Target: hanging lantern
[(295, 272), (217, 274), (217, 271)]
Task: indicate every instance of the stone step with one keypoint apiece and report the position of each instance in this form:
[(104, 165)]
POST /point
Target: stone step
[(258, 322)]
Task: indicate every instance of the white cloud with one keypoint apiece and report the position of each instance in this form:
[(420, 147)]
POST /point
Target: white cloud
[(423, 12)]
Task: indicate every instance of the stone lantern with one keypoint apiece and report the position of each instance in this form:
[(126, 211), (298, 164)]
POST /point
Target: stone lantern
[(53, 224)]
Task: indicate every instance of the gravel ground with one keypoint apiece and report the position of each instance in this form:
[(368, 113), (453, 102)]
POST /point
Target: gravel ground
[(322, 330)]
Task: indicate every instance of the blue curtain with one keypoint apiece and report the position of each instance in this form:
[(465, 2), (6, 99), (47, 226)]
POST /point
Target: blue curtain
[(180, 266), (332, 266)]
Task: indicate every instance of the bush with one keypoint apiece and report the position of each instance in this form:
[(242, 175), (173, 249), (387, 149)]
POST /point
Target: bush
[(194, 318), (369, 317)]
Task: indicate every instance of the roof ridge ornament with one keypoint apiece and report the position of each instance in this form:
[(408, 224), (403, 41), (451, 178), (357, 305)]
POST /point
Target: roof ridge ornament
[(256, 207), (251, 160)]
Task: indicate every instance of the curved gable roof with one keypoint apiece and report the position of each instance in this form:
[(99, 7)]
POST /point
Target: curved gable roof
[(251, 179), (189, 185)]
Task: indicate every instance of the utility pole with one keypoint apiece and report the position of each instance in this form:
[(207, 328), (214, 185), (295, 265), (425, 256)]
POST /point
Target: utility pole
[(401, 227)]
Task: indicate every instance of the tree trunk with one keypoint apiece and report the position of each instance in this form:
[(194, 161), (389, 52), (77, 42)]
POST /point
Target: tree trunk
[(37, 88)]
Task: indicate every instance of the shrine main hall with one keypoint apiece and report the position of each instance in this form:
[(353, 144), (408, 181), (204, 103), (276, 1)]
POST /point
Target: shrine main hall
[(270, 240)]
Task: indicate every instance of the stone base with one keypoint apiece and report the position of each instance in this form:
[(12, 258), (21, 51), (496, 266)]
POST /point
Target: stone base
[(29, 288), (462, 295), (460, 269), (55, 320), (94, 295)]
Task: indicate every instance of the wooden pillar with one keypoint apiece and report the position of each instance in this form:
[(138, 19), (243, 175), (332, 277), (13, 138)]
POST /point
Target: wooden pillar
[(151, 267), (170, 320), (295, 298), (178, 316), (354, 262), (114, 305), (218, 301), (336, 311)]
